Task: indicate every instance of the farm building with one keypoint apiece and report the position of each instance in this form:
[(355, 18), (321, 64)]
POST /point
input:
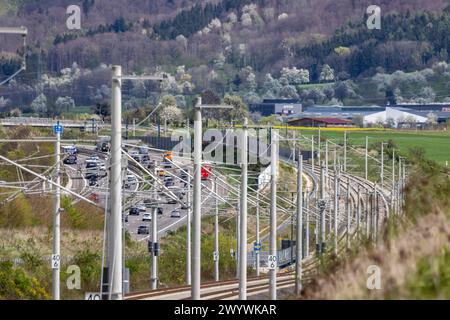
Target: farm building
[(320, 122)]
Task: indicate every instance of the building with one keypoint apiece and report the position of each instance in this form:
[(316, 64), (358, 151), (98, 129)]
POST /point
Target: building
[(394, 116), (276, 106), (320, 122)]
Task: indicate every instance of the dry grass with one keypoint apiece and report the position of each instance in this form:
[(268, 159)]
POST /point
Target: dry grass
[(397, 259)]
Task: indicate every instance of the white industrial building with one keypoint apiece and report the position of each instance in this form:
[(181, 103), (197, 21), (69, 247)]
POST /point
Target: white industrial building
[(398, 115)]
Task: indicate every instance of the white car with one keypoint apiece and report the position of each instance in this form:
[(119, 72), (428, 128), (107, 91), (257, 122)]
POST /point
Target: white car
[(147, 217), (141, 207), (175, 214)]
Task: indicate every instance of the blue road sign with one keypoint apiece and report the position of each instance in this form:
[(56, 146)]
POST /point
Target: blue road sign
[(57, 128), (256, 246)]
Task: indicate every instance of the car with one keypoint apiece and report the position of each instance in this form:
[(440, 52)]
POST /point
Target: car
[(92, 181), (175, 214), (143, 150), (183, 176), (169, 183), (168, 155), (147, 217), (152, 164), (167, 165), (125, 217), (184, 206), (161, 172), (169, 200), (93, 158), (133, 211), (141, 207), (72, 159), (168, 178), (143, 230), (160, 211)]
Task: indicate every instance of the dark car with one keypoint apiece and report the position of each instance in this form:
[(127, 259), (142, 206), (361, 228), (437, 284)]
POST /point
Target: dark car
[(171, 201), (143, 230), (169, 183), (160, 211), (72, 159), (167, 165), (92, 181), (125, 217), (184, 176), (134, 211)]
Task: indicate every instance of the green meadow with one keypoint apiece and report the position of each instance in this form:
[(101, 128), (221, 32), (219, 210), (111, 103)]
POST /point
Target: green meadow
[(435, 143)]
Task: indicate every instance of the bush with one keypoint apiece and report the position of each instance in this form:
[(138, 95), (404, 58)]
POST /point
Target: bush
[(16, 284)]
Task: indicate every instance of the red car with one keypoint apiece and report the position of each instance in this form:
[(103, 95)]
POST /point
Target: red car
[(206, 171)]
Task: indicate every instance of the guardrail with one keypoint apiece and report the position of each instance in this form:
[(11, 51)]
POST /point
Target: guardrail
[(48, 122)]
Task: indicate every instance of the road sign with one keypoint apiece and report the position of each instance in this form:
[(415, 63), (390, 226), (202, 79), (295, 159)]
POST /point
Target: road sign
[(56, 261), (92, 296), (257, 246), (57, 129), (272, 262), (215, 256)]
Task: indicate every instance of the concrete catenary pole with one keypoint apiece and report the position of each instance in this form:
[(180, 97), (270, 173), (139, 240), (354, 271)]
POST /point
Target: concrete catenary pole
[(57, 222), (188, 231), (393, 183), (216, 235), (366, 159), (258, 240), (273, 212), (154, 280), (238, 231), (299, 238), (312, 152), (345, 151), (196, 227), (307, 225), (243, 213), (115, 218), (382, 165), (347, 209), (322, 211), (326, 163), (336, 210)]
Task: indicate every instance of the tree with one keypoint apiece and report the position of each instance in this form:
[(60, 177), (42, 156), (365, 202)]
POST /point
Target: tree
[(358, 120), (239, 111), (39, 105), (65, 103), (103, 109), (327, 73), (295, 76)]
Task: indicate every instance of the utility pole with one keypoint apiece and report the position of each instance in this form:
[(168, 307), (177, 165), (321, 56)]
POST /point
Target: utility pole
[(243, 213), (299, 244), (257, 233), (115, 217), (57, 220), (345, 151), (216, 234), (273, 213), (312, 152), (367, 158)]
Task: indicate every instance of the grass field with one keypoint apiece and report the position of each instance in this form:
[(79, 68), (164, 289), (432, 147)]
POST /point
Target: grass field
[(435, 143)]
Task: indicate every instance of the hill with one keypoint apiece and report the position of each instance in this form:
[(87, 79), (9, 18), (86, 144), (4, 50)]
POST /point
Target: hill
[(225, 45)]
